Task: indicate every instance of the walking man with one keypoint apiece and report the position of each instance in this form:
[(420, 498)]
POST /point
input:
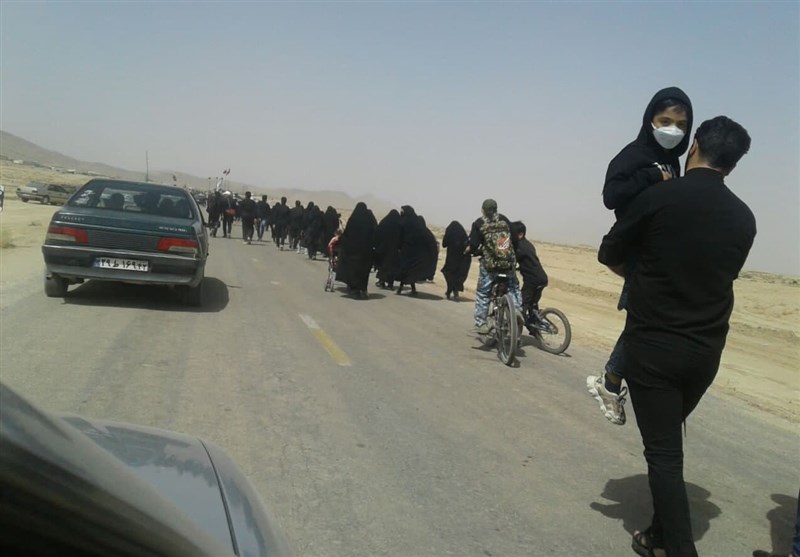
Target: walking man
[(247, 210), (693, 236)]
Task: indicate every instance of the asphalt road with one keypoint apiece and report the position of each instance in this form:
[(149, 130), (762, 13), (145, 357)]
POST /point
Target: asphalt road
[(377, 427)]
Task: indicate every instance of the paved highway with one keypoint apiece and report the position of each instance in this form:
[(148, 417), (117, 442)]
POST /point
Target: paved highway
[(378, 427)]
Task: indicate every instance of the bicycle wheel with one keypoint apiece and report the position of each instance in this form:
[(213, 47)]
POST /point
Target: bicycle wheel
[(554, 333), (507, 330)]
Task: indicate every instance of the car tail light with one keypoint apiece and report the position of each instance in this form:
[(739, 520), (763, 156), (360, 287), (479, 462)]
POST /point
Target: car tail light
[(178, 245), (67, 234)]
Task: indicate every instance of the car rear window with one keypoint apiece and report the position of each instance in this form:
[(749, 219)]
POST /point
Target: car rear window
[(134, 198)]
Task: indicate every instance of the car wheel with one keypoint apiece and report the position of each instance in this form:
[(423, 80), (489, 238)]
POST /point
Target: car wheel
[(24, 200), (46, 200), (193, 296), (55, 287)]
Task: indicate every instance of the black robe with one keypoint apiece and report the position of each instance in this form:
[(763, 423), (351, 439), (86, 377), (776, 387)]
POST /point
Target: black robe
[(313, 235), (387, 246), (356, 249), (636, 167), (456, 264), (419, 249), (330, 224)]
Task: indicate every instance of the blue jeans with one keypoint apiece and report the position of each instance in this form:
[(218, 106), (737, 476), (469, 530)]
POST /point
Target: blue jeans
[(262, 226), (616, 361), (484, 291)]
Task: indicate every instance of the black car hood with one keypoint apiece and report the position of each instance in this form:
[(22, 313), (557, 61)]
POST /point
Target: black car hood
[(177, 466), (198, 478)]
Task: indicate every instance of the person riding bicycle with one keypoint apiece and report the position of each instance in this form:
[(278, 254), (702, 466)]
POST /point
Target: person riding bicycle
[(490, 239), (534, 279)]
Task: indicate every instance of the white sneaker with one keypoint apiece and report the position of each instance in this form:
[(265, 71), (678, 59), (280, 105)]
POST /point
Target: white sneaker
[(481, 329), (612, 405)]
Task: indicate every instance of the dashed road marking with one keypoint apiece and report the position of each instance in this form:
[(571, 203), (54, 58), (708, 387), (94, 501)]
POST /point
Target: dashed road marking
[(337, 354), (274, 283)]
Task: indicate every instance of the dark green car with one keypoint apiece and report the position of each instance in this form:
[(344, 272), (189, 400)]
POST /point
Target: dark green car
[(133, 232)]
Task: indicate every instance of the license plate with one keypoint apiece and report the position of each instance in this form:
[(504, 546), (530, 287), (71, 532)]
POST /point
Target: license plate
[(122, 264)]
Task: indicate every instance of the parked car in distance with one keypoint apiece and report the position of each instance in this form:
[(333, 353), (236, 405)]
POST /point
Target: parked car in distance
[(135, 232), (73, 486), (46, 194)]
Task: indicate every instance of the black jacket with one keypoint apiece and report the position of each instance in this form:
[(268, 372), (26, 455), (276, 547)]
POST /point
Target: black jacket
[(636, 167), (693, 236), (247, 208), (529, 265)]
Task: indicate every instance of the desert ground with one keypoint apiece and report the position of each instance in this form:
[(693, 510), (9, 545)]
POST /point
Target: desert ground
[(759, 366)]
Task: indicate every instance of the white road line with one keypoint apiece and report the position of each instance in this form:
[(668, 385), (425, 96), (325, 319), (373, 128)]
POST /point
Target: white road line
[(309, 321)]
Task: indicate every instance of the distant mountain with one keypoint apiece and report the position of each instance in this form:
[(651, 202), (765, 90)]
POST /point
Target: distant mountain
[(13, 147)]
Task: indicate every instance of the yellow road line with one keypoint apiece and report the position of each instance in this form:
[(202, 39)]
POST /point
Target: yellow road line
[(337, 354)]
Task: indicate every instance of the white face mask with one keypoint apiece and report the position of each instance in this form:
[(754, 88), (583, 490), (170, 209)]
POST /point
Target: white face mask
[(668, 137)]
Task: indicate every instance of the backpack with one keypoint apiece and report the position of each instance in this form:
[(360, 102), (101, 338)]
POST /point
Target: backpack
[(498, 251)]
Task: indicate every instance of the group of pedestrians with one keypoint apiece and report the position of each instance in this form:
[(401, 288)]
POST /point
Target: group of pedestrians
[(678, 243), (401, 248), (307, 229)]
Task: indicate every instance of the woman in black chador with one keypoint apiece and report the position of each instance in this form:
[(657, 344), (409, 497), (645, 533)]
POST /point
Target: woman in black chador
[(419, 251), (387, 245), (356, 250), (456, 265)]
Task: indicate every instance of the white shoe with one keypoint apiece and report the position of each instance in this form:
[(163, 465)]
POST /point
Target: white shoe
[(612, 405)]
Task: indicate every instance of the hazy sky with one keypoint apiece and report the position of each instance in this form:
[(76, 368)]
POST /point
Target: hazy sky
[(433, 105)]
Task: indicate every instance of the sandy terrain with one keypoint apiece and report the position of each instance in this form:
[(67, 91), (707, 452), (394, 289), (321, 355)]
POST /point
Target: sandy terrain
[(760, 364), (762, 358)]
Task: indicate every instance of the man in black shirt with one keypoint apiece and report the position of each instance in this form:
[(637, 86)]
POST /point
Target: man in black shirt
[(262, 216), (248, 212), (693, 236)]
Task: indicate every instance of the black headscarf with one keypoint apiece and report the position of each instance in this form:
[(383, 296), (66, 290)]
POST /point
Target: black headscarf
[(356, 248)]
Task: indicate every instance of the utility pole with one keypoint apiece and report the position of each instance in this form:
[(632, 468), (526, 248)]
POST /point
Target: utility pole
[(146, 166)]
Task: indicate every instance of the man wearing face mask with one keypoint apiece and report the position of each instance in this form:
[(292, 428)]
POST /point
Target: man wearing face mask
[(650, 159), (691, 237)]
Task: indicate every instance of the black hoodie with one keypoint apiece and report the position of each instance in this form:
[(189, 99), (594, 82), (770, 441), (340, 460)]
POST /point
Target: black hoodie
[(636, 168)]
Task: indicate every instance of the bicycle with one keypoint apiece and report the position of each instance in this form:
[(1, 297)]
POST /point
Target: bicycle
[(502, 321), (549, 328)]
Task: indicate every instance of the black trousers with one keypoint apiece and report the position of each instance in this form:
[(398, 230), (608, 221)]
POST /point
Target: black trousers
[(227, 224), (666, 381), (531, 294), (248, 227)]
